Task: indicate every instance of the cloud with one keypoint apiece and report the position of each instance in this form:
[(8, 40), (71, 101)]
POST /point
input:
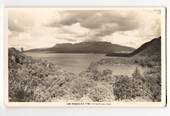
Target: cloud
[(14, 26), (75, 28), (100, 23), (150, 24), (44, 27), (19, 21)]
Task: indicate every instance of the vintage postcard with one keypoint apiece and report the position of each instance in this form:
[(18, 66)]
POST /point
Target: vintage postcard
[(101, 56)]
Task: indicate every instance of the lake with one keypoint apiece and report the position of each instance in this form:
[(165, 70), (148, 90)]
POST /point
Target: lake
[(122, 69), (70, 62), (77, 63)]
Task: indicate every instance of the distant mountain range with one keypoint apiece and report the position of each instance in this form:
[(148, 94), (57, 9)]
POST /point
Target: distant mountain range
[(150, 48), (86, 47)]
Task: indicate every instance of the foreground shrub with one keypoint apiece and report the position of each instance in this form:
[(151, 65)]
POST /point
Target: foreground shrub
[(131, 87), (81, 86), (153, 83), (33, 80), (101, 93)]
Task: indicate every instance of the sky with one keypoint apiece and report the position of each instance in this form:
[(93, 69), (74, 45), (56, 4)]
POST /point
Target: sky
[(44, 27)]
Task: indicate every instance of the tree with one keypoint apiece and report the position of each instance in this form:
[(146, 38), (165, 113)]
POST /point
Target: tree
[(22, 49), (136, 73)]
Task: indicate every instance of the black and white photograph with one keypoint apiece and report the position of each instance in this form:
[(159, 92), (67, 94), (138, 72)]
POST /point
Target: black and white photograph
[(111, 56)]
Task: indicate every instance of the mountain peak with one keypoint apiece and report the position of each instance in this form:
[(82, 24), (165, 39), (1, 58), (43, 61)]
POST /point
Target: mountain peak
[(87, 47)]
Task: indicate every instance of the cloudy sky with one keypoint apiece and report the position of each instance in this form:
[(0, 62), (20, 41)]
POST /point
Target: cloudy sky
[(44, 27)]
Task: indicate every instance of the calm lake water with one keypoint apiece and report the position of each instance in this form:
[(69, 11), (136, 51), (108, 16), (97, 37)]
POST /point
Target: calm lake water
[(70, 62), (122, 69), (77, 63)]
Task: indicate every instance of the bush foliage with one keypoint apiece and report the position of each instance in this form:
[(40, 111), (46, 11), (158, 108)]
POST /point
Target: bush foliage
[(33, 80)]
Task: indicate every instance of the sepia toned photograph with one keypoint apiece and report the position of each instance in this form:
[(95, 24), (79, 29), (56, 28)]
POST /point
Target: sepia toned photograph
[(85, 56)]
